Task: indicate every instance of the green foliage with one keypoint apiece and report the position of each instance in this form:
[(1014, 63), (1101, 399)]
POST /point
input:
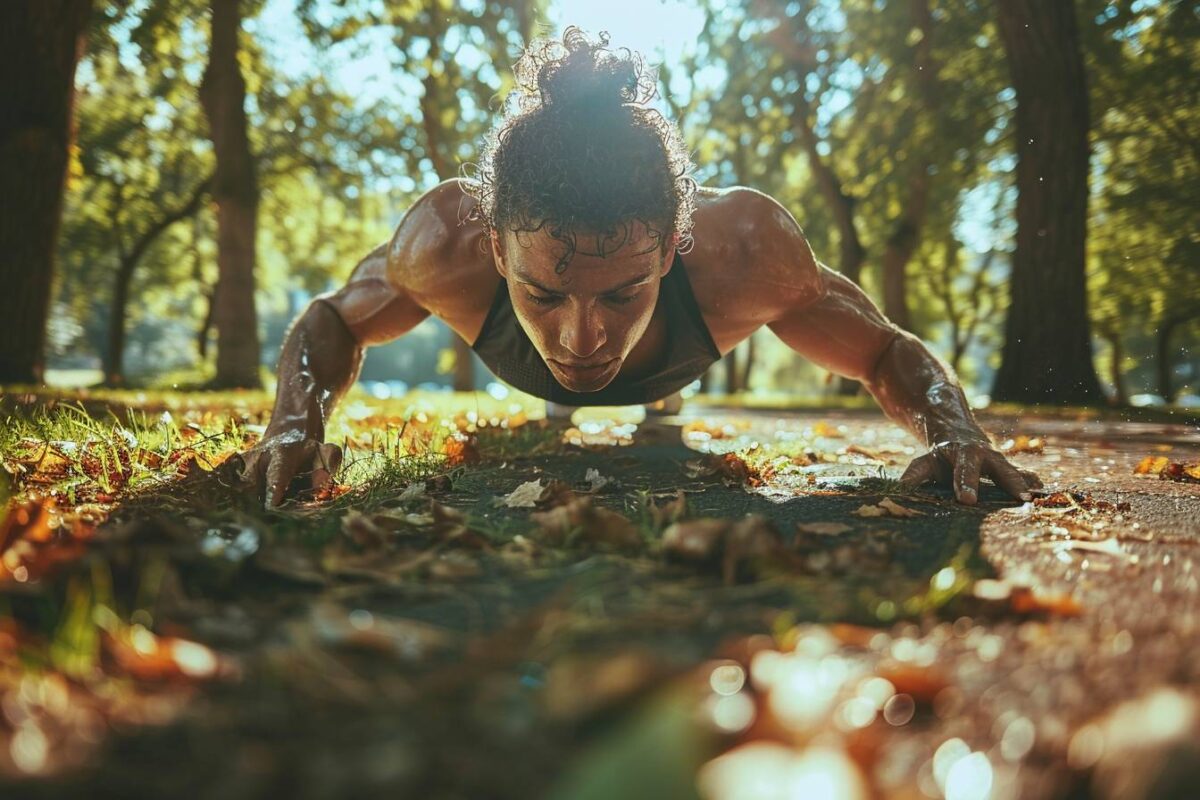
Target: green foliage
[(892, 101), (1144, 247)]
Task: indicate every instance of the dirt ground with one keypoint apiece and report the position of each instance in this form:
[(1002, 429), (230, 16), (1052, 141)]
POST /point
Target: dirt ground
[(829, 646)]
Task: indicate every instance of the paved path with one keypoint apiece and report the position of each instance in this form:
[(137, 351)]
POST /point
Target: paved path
[(999, 651)]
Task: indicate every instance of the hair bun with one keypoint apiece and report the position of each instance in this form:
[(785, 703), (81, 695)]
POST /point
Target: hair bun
[(581, 72)]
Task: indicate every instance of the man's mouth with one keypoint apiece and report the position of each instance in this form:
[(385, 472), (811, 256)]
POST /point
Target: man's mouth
[(583, 373)]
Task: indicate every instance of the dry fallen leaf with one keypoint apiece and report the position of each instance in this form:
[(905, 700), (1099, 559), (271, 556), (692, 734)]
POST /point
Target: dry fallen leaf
[(669, 512), (579, 522), (532, 494), (462, 449), (730, 545), (1151, 465), (407, 639), (1166, 469), (1026, 600), (886, 508), (728, 467), (598, 483), (696, 541), (1024, 444), (865, 452), (867, 510), (526, 495), (823, 528), (826, 430), (897, 510)]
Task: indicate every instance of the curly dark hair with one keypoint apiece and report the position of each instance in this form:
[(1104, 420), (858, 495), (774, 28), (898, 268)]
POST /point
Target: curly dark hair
[(578, 151)]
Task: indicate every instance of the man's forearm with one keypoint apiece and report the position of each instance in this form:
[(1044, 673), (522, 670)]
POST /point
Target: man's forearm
[(319, 361), (918, 391)]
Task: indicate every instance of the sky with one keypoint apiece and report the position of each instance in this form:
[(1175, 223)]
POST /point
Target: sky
[(662, 30)]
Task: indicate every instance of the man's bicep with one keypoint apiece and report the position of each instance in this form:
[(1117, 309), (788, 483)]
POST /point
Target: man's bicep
[(374, 305), (841, 330)]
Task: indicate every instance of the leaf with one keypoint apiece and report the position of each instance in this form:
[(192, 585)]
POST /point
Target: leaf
[(414, 491), (868, 510), (729, 468), (1151, 465), (1026, 600), (580, 522), (696, 541), (1024, 444), (823, 528), (669, 512), (462, 449), (527, 495), (1186, 473), (405, 639), (735, 547), (886, 508), (597, 482)]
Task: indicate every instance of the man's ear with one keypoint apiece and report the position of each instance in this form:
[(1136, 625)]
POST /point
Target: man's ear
[(669, 256), (497, 256)]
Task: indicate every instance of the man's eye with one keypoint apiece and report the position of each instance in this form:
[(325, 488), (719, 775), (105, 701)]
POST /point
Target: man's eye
[(622, 300), (542, 300)]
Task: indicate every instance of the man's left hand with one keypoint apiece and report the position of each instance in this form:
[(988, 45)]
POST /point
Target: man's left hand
[(963, 463)]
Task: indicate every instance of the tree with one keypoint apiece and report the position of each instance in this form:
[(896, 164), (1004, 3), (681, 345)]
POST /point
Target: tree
[(453, 112), (1047, 356), (235, 190), (40, 43), (1143, 251)]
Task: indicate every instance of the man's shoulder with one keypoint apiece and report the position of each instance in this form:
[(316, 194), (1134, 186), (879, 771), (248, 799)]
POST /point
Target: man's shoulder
[(439, 256), (749, 250), (439, 242)]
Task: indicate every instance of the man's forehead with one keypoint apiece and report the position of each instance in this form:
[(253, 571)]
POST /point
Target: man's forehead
[(628, 241)]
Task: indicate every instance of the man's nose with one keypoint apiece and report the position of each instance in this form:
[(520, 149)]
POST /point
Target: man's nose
[(582, 333)]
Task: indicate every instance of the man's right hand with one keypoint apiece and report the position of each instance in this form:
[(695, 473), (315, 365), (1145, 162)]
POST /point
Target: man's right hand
[(270, 467)]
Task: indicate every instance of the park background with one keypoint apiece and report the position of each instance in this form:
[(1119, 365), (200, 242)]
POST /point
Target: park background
[(735, 600), (888, 128)]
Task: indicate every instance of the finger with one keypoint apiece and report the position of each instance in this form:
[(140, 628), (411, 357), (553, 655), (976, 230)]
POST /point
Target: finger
[(1031, 478), (1008, 477), (326, 464), (966, 475), (232, 472), (921, 470), (283, 468)]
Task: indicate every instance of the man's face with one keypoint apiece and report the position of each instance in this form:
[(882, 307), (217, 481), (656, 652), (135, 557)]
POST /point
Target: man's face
[(585, 320)]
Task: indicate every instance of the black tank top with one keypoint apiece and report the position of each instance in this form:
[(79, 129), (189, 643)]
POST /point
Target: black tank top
[(507, 351)]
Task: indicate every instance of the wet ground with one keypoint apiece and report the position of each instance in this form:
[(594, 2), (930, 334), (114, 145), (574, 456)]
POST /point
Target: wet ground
[(833, 637)]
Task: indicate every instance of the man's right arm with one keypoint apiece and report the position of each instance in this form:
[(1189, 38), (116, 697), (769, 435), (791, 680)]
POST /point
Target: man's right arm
[(321, 357)]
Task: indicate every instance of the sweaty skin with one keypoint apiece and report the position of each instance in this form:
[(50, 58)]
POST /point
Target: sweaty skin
[(594, 323)]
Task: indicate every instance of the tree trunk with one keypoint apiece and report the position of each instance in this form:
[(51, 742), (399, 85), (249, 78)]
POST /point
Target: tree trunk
[(1047, 356), (851, 252), (748, 368), (235, 190), (900, 247), (464, 358), (1116, 356), (114, 358), (732, 374), (40, 45), (1163, 361), (203, 335), (906, 235)]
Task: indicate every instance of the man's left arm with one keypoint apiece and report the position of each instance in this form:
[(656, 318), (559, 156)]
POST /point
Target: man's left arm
[(834, 324)]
